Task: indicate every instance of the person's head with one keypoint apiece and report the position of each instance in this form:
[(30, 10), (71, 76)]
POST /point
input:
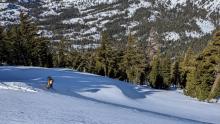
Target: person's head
[(49, 77)]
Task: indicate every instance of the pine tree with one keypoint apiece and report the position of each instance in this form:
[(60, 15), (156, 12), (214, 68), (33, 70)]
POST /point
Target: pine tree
[(6, 48), (188, 57), (3, 47), (16, 46), (61, 53), (205, 78), (215, 91), (26, 43), (208, 66), (175, 75), (105, 55), (155, 78), (74, 59), (191, 82), (165, 72), (27, 34), (133, 62), (185, 66), (119, 68), (43, 52), (85, 61), (115, 63)]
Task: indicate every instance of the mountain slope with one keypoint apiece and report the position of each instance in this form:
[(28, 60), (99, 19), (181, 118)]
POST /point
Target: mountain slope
[(178, 23), (84, 98)]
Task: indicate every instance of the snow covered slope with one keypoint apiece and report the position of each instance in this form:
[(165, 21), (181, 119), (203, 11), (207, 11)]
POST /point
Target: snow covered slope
[(82, 98)]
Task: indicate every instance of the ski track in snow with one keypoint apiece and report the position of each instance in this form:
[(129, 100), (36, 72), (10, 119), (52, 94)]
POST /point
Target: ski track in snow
[(88, 93)]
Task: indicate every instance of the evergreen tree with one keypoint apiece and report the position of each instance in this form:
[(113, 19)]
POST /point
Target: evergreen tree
[(208, 65), (165, 72), (205, 79), (191, 81), (119, 71), (188, 57), (215, 91), (160, 74), (155, 79), (16, 45), (27, 34), (61, 53), (85, 61), (205, 70), (43, 51), (185, 66), (28, 48), (175, 75), (133, 62), (105, 55), (3, 47), (6, 48)]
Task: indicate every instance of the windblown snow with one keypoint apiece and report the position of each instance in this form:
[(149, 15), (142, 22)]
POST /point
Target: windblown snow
[(82, 98)]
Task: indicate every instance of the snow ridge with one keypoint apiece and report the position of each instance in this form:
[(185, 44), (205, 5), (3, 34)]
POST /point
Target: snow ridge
[(17, 86)]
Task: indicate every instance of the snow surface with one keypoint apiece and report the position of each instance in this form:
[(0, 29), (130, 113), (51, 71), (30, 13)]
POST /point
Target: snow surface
[(193, 34), (46, 33), (134, 7), (50, 12), (211, 6), (172, 3), (3, 5), (80, 4), (206, 26), (171, 36), (9, 12), (73, 21), (83, 98), (87, 46)]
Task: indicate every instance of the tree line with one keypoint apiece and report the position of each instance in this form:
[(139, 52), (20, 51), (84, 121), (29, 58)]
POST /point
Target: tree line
[(22, 45), (197, 74)]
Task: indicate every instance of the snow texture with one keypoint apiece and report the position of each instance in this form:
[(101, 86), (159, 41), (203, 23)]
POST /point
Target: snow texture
[(172, 3), (133, 7), (83, 98), (206, 26), (171, 36), (193, 34), (73, 21), (88, 46), (9, 13)]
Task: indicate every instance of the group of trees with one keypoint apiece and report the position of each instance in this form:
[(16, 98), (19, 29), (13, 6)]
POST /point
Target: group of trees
[(198, 75), (203, 71), (129, 64), (22, 45)]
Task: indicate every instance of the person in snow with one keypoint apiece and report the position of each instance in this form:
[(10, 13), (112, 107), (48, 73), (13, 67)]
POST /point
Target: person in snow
[(50, 82)]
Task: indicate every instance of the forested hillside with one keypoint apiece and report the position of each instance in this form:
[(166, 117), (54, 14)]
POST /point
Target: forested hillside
[(179, 24)]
